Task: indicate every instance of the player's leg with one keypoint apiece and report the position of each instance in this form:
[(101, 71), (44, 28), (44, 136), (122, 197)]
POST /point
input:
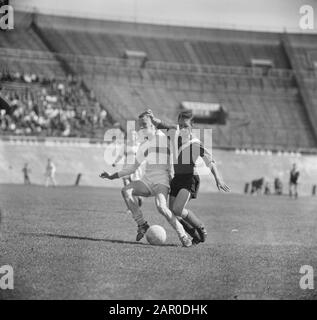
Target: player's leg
[(136, 176), (53, 181), (127, 181), (129, 194), (295, 190), (179, 208), (191, 230), (161, 194), (290, 189)]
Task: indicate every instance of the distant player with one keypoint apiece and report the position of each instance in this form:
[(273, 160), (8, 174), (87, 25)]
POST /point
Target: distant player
[(257, 185), (128, 153), (115, 146), (278, 186), (26, 171), (50, 173), (186, 181), (155, 183), (293, 181)]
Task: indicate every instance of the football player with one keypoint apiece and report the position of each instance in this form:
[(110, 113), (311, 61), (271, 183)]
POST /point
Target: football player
[(185, 183), (154, 151)]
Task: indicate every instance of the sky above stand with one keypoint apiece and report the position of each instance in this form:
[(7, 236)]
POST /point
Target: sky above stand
[(270, 15)]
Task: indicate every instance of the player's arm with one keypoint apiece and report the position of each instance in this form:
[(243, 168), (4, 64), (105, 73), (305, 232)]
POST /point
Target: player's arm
[(219, 182), (159, 124), (124, 172), (211, 164), (140, 156)]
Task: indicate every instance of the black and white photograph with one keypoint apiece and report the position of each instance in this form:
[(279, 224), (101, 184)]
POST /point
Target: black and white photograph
[(158, 150)]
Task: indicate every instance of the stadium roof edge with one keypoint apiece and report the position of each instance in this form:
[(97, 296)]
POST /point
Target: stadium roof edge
[(151, 29)]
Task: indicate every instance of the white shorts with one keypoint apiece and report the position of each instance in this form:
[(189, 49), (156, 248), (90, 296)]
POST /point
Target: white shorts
[(137, 175), (154, 184)]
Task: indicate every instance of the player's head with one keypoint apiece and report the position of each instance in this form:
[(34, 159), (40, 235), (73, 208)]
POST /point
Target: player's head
[(294, 166), (185, 123), (146, 125)]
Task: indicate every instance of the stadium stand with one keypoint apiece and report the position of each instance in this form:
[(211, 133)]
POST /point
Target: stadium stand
[(169, 50), (49, 107), (30, 61), (271, 121), (266, 107), (21, 38), (302, 50)]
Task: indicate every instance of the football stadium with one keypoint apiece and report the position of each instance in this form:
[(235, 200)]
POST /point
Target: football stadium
[(79, 79)]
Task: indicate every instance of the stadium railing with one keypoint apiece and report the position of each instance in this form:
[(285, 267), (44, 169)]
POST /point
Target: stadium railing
[(101, 62)]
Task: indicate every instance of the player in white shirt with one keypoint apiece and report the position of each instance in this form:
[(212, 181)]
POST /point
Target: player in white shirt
[(154, 151), (50, 173)]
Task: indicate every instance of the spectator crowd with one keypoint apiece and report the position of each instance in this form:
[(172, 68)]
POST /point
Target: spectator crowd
[(49, 107)]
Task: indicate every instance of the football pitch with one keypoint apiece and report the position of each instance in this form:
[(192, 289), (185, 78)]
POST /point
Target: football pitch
[(79, 243)]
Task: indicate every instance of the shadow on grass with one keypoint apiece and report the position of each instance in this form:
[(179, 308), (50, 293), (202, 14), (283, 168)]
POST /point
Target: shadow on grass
[(63, 236)]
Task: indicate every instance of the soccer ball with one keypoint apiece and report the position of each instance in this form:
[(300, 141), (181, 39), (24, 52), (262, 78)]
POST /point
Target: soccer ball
[(156, 235)]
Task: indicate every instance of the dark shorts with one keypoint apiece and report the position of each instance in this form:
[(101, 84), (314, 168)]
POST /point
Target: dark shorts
[(184, 181)]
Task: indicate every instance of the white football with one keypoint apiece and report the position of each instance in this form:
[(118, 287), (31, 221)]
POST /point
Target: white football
[(156, 235)]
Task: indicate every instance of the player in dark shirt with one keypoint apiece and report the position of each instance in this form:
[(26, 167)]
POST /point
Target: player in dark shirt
[(26, 171), (293, 181), (185, 183)]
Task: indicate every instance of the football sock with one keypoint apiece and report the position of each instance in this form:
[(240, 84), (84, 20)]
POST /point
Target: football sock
[(132, 204), (137, 214), (192, 231), (191, 218), (173, 221)]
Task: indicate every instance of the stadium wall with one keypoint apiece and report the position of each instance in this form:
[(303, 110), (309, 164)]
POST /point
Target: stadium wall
[(73, 156)]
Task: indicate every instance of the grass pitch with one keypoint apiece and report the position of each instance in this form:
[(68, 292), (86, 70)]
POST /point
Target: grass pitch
[(78, 243)]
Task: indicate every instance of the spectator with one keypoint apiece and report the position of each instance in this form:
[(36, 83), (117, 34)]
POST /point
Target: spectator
[(278, 186), (51, 107), (267, 189)]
